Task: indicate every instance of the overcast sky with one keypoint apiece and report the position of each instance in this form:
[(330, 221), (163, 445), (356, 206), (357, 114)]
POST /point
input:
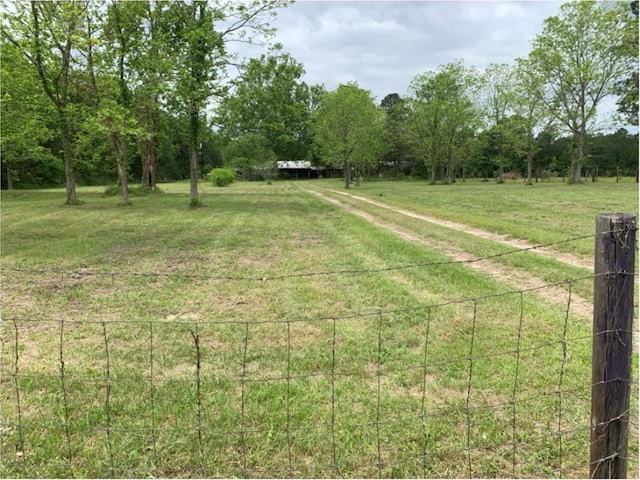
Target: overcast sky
[(384, 44)]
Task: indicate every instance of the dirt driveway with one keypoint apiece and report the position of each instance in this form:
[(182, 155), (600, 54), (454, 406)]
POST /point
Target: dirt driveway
[(518, 279)]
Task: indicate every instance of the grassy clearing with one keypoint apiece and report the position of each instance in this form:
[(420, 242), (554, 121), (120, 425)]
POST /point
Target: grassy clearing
[(542, 213), (184, 345)]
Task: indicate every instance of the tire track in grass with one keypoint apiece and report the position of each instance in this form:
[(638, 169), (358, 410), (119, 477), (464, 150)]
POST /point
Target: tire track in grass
[(496, 237), (519, 279)]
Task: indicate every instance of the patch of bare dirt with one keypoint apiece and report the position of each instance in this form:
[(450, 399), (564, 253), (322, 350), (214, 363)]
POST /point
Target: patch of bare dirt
[(521, 280)]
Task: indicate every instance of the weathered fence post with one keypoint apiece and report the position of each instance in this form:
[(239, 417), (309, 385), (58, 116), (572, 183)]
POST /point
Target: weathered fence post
[(612, 344)]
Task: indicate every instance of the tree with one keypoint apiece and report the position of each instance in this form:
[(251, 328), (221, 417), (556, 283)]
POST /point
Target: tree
[(200, 57), (252, 155), (443, 117), (506, 144), (270, 100), (579, 56), (530, 109), (138, 45), (348, 129), (198, 51), (50, 35), (395, 129), (613, 154), (627, 88), (114, 117), (498, 88), (26, 116)]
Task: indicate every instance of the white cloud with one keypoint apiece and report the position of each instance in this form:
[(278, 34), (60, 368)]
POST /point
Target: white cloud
[(385, 44)]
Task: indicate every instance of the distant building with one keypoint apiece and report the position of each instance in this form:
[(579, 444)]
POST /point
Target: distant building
[(304, 169)]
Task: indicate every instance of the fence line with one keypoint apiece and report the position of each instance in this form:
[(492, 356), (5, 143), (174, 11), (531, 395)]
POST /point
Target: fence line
[(371, 313), (264, 278), (416, 420)]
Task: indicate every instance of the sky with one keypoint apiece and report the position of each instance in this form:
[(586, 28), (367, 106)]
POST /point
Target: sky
[(383, 45)]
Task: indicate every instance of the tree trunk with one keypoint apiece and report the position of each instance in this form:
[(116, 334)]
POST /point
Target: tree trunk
[(69, 174), (530, 167), (579, 159), (120, 151), (193, 175), (194, 124), (347, 174), (9, 177), (149, 164), (150, 154)]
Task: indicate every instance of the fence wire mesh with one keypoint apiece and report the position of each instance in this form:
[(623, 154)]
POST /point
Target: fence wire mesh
[(492, 386)]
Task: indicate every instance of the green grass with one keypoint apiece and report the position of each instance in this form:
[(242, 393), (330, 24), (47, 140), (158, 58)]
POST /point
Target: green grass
[(541, 213), (426, 371)]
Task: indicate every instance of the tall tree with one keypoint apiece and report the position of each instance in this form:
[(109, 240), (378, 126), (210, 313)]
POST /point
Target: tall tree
[(514, 112), (627, 88), (50, 35), (198, 52), (444, 116), (530, 109), (200, 57), (348, 129), (395, 128), (580, 57), (137, 56), (270, 100), (114, 117), (26, 116), (497, 86)]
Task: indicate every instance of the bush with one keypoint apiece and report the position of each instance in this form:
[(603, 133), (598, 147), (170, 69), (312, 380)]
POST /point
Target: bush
[(112, 191), (222, 177)]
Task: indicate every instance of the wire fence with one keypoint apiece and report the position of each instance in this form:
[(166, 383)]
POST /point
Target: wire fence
[(497, 385)]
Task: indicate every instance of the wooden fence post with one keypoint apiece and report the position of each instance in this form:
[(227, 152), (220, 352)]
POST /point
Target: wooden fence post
[(612, 344)]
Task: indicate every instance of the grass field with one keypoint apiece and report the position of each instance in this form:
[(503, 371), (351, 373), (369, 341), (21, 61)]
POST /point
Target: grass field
[(279, 333)]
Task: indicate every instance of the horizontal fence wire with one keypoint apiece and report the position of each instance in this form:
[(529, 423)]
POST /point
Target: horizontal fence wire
[(348, 395), (264, 278), (372, 313)]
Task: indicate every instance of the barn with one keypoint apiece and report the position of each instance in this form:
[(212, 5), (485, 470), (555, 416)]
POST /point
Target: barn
[(298, 169)]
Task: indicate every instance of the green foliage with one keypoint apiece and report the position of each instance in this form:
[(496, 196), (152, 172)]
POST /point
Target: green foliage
[(627, 87), (251, 155), (578, 55), (444, 117), (396, 123), (27, 121), (221, 177), (349, 129), (85, 85), (271, 101), (50, 36)]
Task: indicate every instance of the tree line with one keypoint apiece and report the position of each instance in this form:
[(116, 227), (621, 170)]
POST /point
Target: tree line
[(95, 92)]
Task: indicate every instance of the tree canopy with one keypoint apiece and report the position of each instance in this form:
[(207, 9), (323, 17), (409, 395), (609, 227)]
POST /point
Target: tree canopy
[(579, 55), (348, 129), (141, 92)]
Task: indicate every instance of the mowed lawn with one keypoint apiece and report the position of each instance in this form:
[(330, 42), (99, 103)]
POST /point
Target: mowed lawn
[(274, 334)]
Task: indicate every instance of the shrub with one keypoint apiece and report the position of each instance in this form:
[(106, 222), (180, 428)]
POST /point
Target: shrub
[(112, 191), (222, 177)]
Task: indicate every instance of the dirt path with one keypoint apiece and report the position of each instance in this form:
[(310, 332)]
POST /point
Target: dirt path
[(505, 240), (519, 279)]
